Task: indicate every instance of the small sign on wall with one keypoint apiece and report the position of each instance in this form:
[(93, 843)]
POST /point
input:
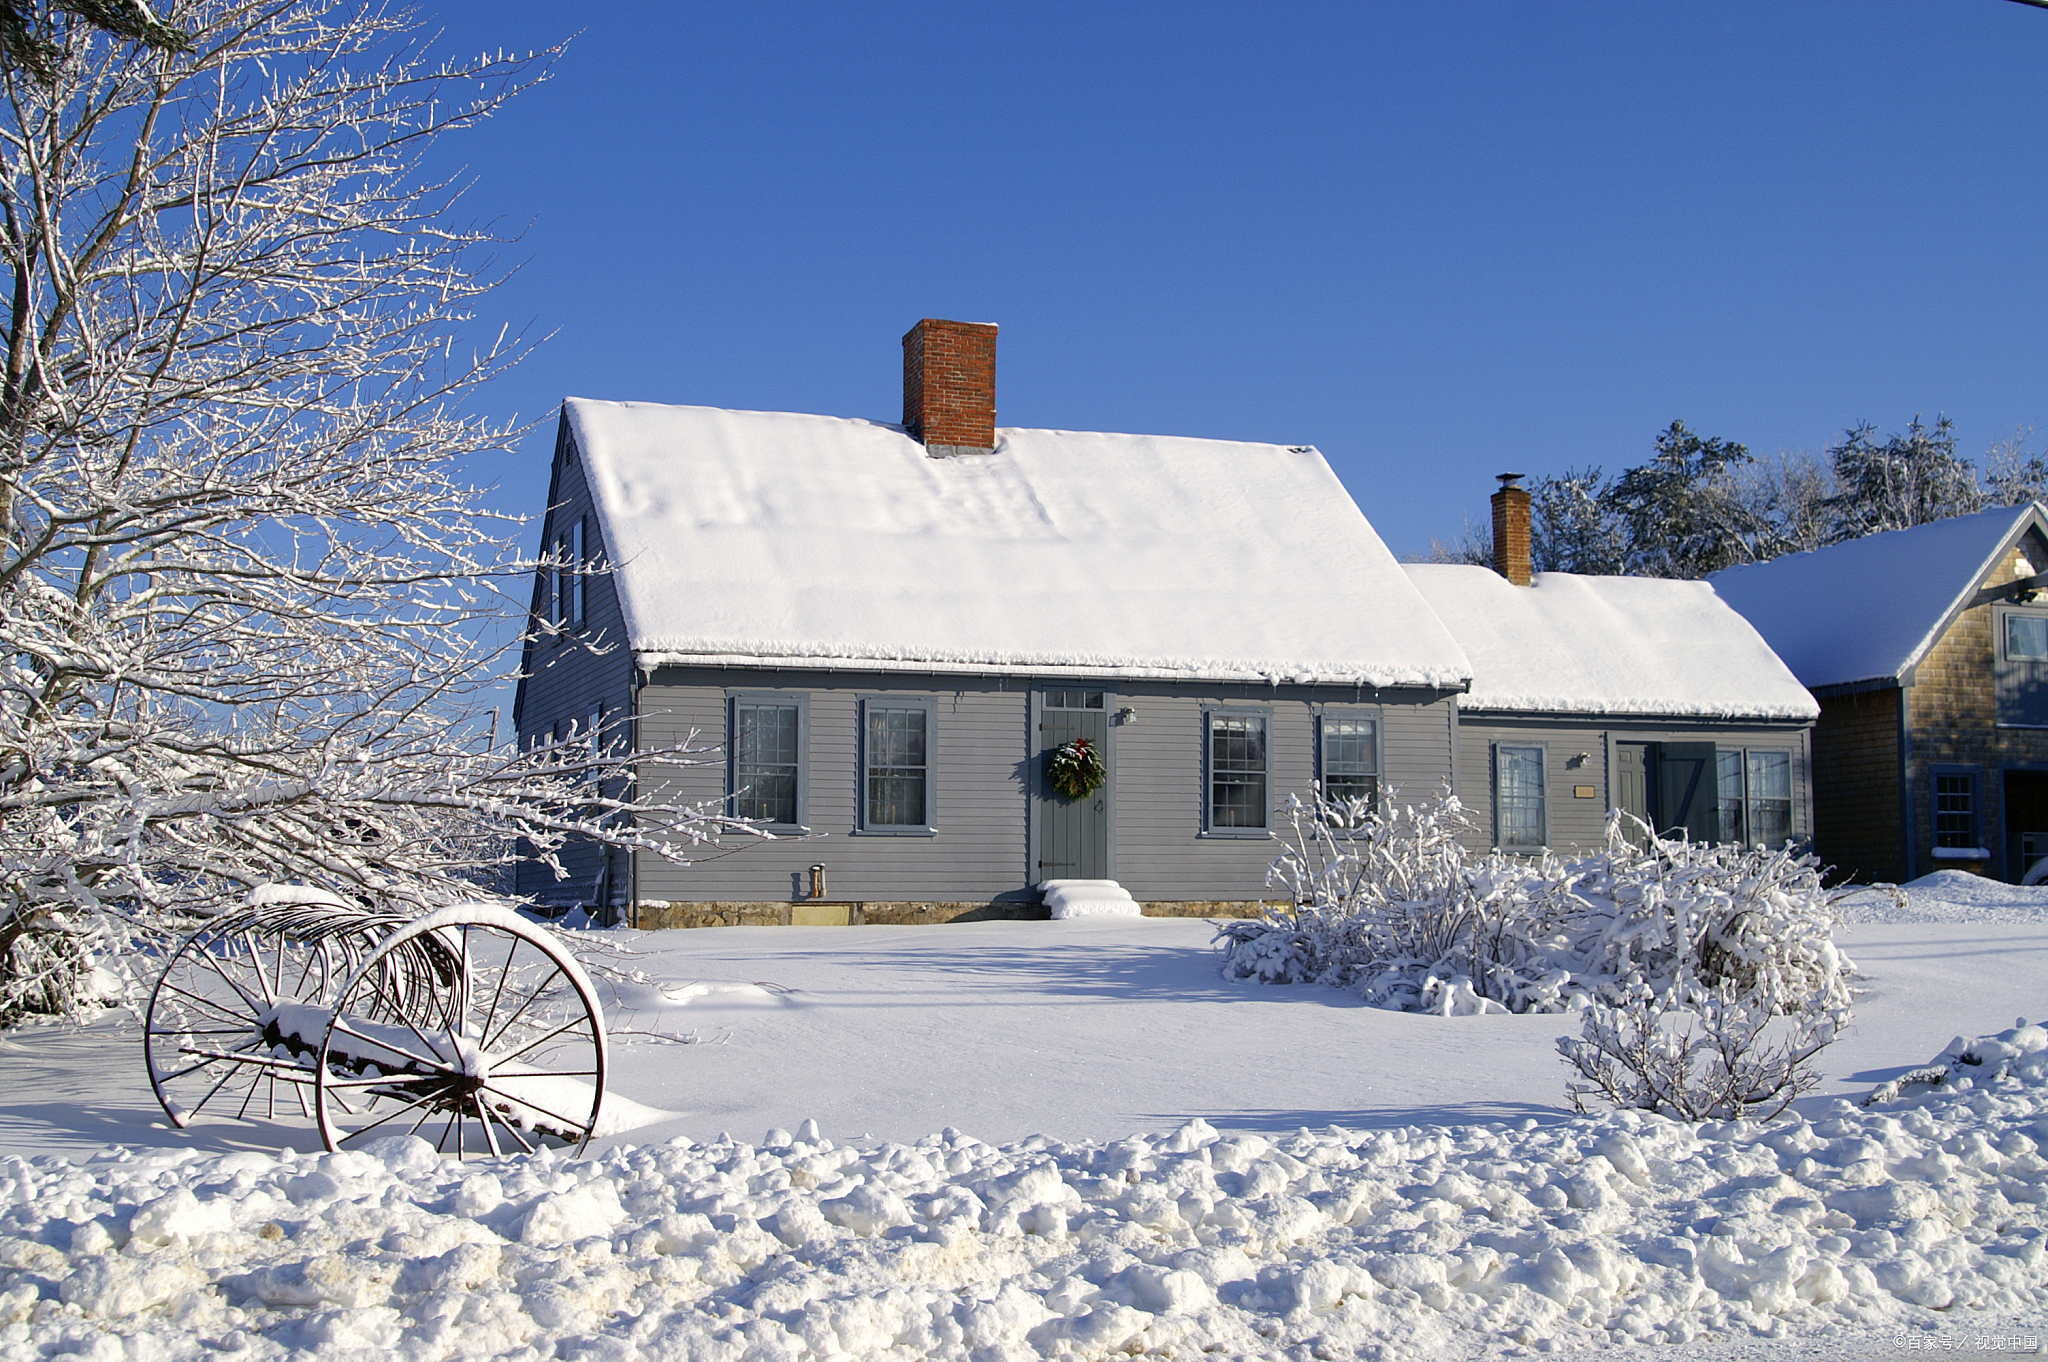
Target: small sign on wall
[(1585, 792)]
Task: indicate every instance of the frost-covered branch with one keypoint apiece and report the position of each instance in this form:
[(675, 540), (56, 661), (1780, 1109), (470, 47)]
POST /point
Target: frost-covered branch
[(248, 603)]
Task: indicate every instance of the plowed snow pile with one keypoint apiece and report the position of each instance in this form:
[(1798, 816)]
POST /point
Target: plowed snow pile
[(1412, 1243)]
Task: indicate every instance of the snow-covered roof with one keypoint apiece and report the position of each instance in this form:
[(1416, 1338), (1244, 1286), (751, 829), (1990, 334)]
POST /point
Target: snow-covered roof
[(819, 541), (1869, 609), (1608, 645)]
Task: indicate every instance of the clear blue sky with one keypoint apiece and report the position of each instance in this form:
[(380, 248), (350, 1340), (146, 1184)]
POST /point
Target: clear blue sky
[(1438, 241)]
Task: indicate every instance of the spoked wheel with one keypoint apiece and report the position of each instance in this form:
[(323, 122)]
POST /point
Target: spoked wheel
[(470, 1027), (235, 1020)]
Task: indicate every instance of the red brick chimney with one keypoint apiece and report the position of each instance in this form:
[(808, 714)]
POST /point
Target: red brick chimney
[(949, 386), (1511, 530)]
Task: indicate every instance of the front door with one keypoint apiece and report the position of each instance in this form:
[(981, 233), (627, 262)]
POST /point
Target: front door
[(1073, 834)]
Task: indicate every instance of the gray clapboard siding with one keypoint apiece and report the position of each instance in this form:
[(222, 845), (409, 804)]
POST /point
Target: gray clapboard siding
[(983, 780), (1415, 748), (1581, 824), (977, 851)]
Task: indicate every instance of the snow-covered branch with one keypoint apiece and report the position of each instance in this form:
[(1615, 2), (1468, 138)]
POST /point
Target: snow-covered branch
[(248, 602)]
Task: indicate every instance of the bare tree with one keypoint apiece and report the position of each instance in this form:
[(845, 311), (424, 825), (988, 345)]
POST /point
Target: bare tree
[(1473, 548), (2014, 475), (246, 599)]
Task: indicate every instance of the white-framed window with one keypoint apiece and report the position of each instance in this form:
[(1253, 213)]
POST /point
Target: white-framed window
[(1958, 821), (1754, 795), (1236, 768), (2021, 634), (769, 740), (1521, 814), (896, 786), (1348, 756)]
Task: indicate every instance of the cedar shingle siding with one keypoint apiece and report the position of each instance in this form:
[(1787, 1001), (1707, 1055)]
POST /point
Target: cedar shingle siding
[(1856, 785), (1952, 714)]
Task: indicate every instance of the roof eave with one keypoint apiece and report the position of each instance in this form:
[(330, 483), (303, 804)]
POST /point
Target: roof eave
[(1276, 675)]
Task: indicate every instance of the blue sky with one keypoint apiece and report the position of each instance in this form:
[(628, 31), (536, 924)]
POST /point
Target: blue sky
[(1438, 241)]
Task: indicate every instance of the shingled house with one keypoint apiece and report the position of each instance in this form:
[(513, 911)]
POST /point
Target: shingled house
[(1928, 650)]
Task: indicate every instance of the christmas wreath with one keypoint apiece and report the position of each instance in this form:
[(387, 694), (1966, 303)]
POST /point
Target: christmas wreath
[(1076, 769)]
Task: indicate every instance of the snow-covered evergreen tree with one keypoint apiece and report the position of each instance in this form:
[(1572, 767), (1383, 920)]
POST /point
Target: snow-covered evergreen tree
[(1572, 526), (1902, 480)]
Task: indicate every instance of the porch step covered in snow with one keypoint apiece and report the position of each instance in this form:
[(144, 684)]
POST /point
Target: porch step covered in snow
[(1087, 898)]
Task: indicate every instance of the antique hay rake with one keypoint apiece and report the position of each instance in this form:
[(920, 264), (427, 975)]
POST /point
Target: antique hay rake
[(470, 1026)]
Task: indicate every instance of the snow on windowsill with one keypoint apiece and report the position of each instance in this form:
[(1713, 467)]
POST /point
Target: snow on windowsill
[(1962, 853)]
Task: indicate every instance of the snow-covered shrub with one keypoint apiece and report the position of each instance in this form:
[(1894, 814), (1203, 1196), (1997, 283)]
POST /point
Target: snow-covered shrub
[(1394, 904), (1698, 1052)]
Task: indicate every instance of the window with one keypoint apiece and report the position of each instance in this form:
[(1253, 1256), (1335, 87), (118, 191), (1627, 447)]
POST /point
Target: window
[(558, 596), (1955, 811), (768, 759), (1073, 699), (593, 737), (577, 565), (2022, 666), (896, 781), (1519, 815), (1237, 772), (2026, 637), (1755, 790), (1350, 758), (1728, 775), (1769, 804)]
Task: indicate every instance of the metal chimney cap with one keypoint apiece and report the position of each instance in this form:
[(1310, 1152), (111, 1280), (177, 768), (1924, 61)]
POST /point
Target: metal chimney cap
[(1509, 479)]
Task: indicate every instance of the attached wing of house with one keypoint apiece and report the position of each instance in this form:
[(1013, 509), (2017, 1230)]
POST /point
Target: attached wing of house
[(1638, 693)]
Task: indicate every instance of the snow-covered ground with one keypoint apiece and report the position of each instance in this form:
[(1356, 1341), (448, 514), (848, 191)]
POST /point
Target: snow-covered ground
[(1134, 1155)]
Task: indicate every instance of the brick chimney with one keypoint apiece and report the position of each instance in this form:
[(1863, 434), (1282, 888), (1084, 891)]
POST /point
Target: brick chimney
[(949, 387), (1511, 530)]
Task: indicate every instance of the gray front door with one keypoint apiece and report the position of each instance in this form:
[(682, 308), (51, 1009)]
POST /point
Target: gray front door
[(1073, 834)]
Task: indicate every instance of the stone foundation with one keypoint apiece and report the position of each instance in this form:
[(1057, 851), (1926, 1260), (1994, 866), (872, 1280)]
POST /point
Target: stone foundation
[(658, 916)]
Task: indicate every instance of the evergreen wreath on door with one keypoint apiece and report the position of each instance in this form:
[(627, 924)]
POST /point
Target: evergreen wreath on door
[(1076, 770)]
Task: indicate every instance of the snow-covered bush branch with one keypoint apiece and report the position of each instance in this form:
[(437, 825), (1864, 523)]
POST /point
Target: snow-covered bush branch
[(1395, 904), (249, 605), (1708, 975), (1698, 1052)]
